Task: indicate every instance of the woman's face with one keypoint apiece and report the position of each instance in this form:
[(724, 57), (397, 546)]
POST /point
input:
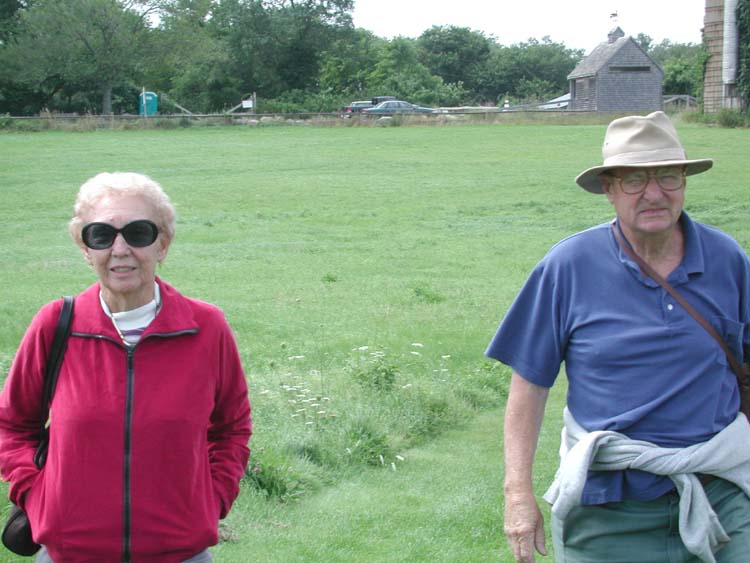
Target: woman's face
[(126, 272)]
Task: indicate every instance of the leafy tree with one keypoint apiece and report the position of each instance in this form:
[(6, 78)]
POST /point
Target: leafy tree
[(535, 90), (245, 26), (456, 54), (398, 72), (80, 41), (348, 61), (190, 60), (278, 45), (644, 41), (683, 65), (332, 12), (529, 71), (10, 11)]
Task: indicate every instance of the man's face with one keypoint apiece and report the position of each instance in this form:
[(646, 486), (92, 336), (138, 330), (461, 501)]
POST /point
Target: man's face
[(655, 209)]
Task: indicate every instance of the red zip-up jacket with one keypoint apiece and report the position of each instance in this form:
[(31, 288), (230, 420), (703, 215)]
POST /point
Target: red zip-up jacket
[(147, 444)]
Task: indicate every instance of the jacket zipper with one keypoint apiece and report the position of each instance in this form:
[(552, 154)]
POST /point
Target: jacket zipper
[(126, 466), (127, 446)]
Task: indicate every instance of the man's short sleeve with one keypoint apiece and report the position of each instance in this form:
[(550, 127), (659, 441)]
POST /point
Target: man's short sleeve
[(529, 338)]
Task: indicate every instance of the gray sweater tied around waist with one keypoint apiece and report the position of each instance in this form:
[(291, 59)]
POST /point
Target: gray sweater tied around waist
[(726, 455)]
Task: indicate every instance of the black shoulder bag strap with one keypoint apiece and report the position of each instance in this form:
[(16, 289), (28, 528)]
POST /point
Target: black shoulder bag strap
[(742, 372), (54, 361)]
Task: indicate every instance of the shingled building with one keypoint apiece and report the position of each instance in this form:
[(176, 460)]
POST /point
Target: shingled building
[(616, 76)]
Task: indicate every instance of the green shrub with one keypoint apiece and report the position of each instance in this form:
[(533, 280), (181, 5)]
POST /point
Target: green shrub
[(730, 118), (27, 125), (365, 443), (273, 476), (376, 373), (433, 413)]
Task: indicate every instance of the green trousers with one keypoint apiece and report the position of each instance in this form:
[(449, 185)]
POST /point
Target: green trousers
[(647, 532)]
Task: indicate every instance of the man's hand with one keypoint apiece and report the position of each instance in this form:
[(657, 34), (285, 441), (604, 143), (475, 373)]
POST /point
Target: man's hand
[(524, 526)]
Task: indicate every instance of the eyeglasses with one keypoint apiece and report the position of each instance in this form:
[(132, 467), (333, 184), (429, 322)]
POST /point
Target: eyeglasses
[(669, 179), (139, 234)]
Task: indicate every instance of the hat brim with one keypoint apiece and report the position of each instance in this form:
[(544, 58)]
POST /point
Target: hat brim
[(589, 179)]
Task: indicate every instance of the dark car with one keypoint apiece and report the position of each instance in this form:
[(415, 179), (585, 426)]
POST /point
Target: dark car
[(396, 107), (356, 107)]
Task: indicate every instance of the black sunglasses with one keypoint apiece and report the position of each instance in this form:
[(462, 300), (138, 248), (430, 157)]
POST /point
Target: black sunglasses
[(139, 234)]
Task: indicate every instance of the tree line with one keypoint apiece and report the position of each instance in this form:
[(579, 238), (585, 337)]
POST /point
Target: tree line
[(95, 56)]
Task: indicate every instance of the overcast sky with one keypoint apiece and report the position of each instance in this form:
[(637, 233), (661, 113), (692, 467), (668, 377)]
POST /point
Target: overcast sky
[(579, 24)]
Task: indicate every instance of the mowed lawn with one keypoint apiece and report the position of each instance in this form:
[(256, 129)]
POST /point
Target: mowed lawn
[(321, 244)]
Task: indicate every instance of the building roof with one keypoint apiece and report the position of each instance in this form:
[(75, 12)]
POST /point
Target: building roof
[(560, 102), (598, 58)]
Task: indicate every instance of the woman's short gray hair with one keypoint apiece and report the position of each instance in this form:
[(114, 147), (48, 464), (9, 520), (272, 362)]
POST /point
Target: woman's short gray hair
[(122, 184)]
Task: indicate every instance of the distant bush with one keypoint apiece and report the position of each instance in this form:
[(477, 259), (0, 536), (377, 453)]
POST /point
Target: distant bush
[(725, 117), (731, 118)]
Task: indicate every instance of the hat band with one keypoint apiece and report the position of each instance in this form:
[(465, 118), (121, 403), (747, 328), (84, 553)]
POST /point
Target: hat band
[(645, 157)]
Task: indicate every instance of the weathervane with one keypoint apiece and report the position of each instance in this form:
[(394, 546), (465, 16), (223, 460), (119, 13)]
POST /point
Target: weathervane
[(613, 18)]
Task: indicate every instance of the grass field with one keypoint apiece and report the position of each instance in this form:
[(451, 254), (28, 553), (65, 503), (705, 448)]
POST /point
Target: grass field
[(364, 271)]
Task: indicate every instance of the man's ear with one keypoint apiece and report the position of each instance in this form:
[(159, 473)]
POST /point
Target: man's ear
[(607, 186)]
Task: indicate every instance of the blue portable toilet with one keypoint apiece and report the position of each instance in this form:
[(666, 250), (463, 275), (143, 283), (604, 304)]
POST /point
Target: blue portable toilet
[(148, 103)]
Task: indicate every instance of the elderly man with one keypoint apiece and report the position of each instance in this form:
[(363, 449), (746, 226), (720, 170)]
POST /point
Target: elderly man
[(655, 459)]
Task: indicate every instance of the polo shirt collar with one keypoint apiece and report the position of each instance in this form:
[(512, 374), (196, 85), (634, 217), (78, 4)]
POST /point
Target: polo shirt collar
[(692, 263)]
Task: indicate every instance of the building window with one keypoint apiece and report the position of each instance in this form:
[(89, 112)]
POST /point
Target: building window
[(630, 69)]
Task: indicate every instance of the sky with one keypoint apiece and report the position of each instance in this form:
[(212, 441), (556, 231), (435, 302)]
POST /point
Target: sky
[(579, 24)]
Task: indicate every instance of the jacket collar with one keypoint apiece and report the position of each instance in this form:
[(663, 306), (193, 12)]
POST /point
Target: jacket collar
[(175, 314)]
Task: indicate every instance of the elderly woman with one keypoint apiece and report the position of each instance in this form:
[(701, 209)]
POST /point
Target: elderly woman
[(150, 419)]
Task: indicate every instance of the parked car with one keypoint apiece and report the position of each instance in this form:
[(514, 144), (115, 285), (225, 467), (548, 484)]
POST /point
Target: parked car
[(356, 107), (396, 107)]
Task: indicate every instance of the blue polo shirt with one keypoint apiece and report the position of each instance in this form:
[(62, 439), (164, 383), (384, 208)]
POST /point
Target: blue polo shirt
[(635, 360)]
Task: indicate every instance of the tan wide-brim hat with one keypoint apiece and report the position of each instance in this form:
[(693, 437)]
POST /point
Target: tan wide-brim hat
[(637, 142)]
